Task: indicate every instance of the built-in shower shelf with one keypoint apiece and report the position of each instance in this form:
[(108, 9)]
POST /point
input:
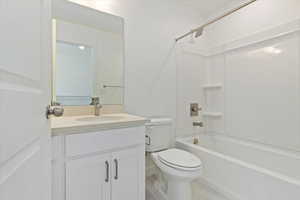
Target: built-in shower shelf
[(212, 114), (212, 86)]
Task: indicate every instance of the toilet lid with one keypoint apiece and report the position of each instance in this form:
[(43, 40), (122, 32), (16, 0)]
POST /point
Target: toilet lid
[(179, 158)]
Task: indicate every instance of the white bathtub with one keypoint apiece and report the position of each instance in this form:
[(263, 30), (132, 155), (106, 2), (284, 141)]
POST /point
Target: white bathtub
[(243, 170)]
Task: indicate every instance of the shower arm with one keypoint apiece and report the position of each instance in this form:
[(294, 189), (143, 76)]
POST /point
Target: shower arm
[(199, 30)]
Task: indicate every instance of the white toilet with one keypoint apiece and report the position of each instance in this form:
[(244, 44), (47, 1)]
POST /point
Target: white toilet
[(179, 167)]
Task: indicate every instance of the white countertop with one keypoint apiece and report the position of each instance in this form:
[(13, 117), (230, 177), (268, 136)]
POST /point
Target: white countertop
[(82, 124)]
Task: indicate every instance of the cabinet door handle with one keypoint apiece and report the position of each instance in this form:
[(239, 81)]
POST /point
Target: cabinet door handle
[(107, 171), (117, 169), (148, 142)]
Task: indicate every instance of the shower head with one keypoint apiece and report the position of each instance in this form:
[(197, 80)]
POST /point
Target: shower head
[(198, 32)]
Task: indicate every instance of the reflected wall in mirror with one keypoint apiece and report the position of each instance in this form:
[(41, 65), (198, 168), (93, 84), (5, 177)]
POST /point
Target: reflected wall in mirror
[(88, 55)]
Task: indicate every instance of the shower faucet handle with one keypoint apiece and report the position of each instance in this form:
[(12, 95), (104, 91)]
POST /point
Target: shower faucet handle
[(194, 109)]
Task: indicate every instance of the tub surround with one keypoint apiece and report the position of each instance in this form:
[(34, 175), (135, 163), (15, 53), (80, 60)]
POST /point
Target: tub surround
[(85, 123)]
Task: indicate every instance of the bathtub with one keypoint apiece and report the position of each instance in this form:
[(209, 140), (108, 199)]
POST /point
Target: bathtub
[(242, 170)]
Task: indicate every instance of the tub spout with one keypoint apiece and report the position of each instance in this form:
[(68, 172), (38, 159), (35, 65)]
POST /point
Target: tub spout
[(200, 124)]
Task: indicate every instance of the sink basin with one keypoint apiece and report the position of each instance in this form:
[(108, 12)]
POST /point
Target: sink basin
[(100, 118)]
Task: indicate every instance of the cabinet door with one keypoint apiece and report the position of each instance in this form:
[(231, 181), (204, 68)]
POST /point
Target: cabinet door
[(88, 178), (128, 174)]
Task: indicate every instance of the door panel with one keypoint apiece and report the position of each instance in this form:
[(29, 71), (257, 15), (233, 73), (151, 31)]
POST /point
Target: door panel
[(20, 47), (21, 179), (19, 129), (22, 92), (25, 64), (85, 179), (129, 183)]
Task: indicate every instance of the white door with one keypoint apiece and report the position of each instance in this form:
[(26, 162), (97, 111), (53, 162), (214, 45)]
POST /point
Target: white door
[(88, 178), (128, 174), (24, 93)]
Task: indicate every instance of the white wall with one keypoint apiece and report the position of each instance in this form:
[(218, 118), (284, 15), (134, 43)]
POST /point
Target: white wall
[(259, 16)]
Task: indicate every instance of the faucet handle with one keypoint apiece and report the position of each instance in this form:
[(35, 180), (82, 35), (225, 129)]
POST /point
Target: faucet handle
[(57, 111), (96, 103), (194, 109), (55, 103), (95, 100)]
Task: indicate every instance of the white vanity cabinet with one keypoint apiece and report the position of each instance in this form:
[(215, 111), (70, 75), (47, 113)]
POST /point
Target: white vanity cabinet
[(127, 172), (104, 165), (86, 178)]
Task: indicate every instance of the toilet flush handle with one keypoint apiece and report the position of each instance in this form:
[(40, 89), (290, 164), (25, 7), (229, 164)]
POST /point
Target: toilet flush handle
[(148, 140)]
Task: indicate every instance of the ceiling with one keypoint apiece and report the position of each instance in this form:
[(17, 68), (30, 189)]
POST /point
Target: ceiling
[(205, 8)]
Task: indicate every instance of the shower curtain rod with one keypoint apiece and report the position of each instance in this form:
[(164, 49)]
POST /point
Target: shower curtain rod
[(200, 29)]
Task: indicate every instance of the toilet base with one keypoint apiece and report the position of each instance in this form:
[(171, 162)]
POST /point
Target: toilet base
[(179, 190)]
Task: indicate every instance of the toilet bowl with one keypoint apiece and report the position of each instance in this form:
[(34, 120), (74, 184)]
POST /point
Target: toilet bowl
[(179, 168)]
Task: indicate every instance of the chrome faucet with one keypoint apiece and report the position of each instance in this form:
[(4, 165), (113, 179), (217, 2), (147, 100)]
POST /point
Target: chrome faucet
[(96, 103)]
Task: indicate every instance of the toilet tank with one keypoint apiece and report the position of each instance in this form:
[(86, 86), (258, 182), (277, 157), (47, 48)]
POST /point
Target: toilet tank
[(158, 134)]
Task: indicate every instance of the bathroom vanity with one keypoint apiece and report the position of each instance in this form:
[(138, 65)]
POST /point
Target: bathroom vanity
[(98, 158)]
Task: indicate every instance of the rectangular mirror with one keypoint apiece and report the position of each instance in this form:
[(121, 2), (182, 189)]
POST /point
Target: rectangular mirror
[(88, 55)]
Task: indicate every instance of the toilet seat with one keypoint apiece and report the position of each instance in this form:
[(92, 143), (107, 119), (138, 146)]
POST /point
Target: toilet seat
[(180, 159)]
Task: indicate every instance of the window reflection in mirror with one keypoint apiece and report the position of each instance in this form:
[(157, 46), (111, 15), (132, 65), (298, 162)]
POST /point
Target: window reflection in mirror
[(74, 73)]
